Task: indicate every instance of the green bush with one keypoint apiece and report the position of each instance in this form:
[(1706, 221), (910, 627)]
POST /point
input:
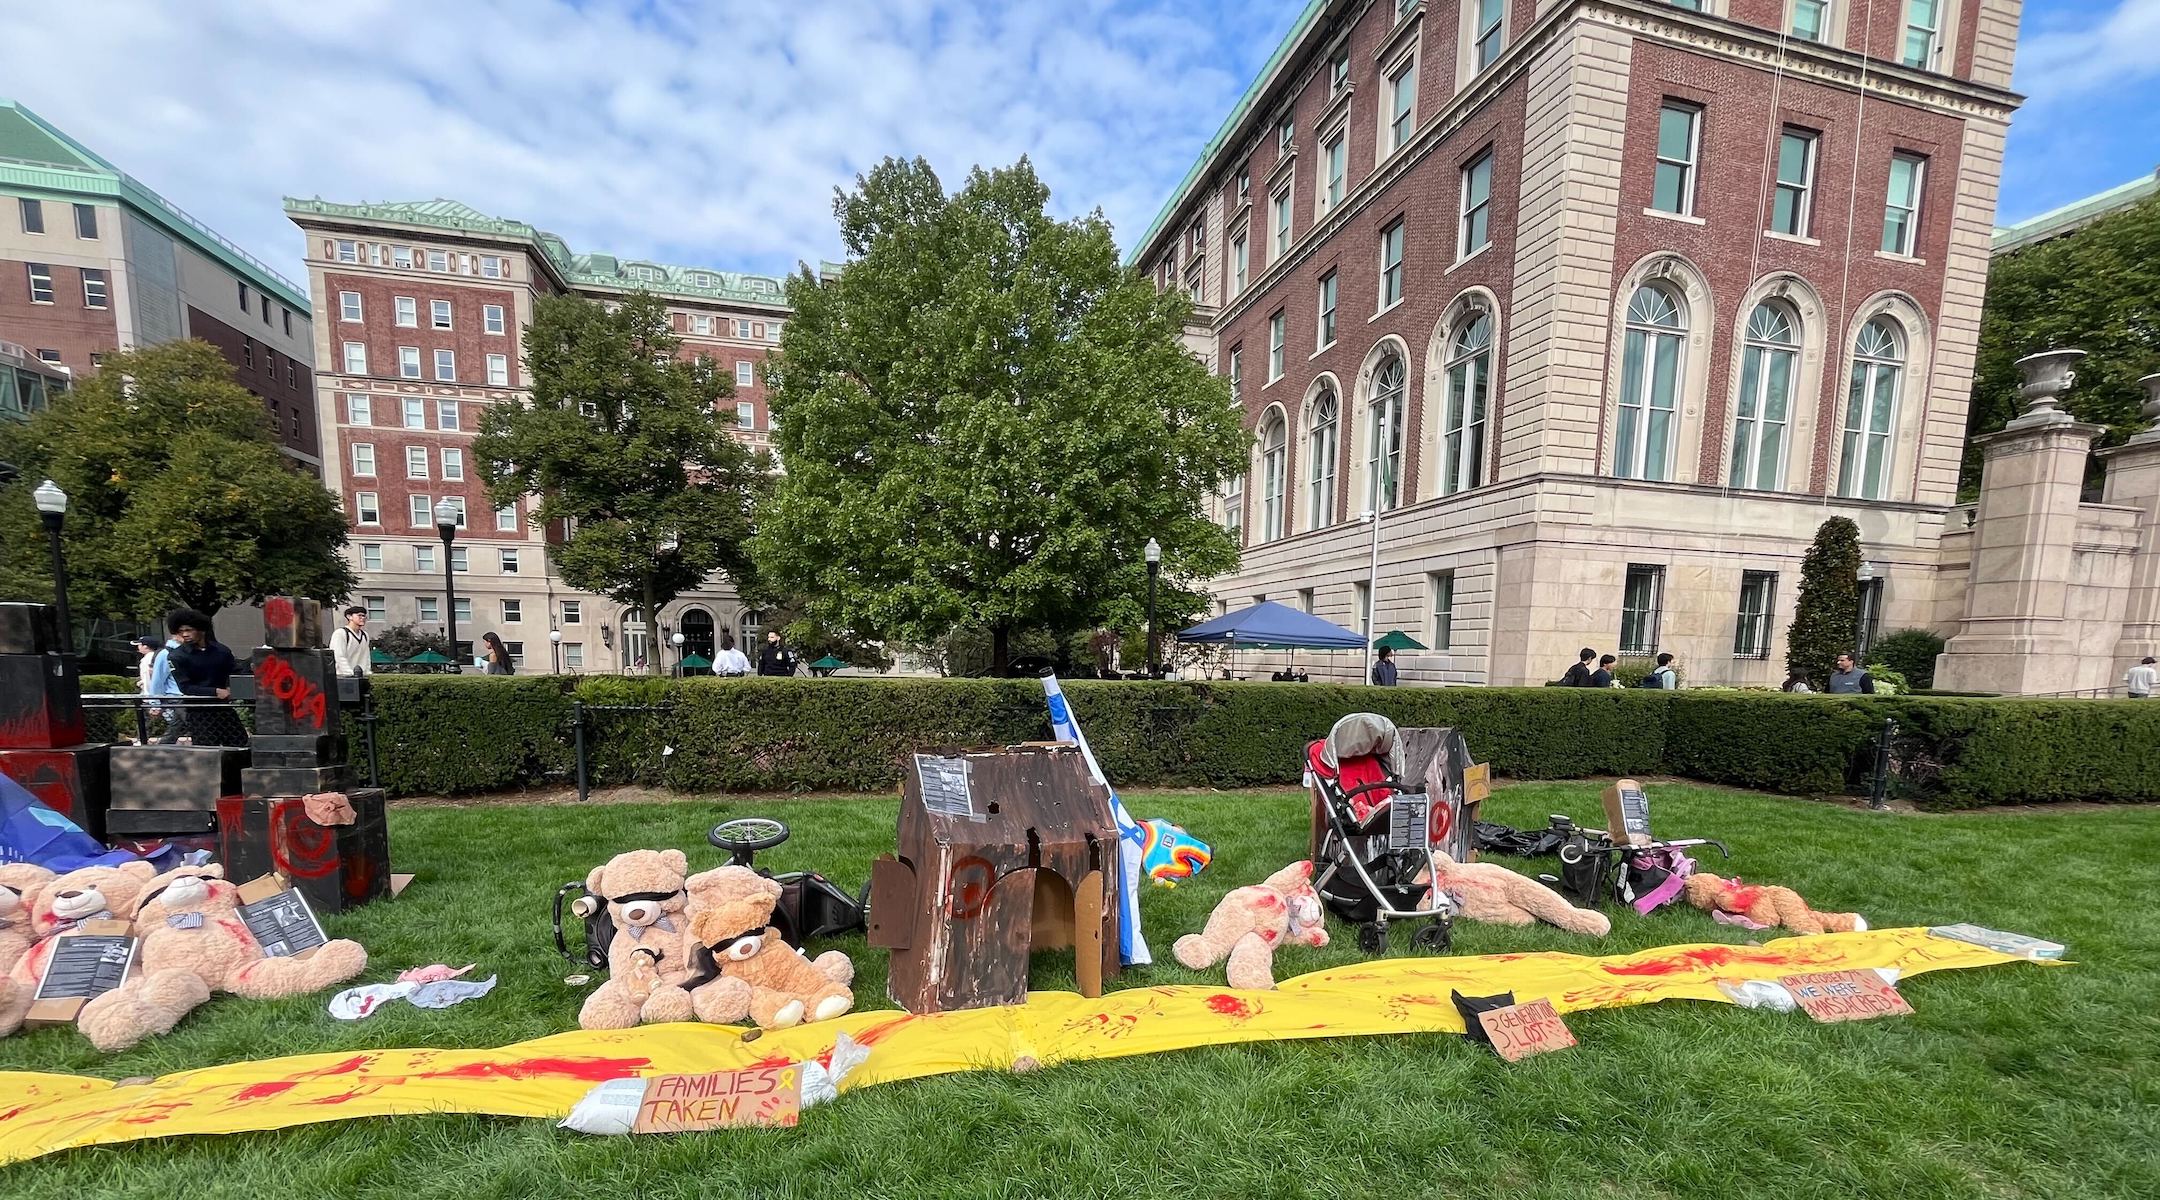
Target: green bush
[(1911, 653), (108, 685), (470, 733), (1805, 744)]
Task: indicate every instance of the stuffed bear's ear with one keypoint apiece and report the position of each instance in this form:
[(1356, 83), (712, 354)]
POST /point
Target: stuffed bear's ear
[(142, 871), (592, 879), (676, 861), (213, 871)]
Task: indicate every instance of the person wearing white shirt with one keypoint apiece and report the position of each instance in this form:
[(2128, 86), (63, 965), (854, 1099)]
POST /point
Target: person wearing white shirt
[(350, 645), (2139, 682), (730, 661)]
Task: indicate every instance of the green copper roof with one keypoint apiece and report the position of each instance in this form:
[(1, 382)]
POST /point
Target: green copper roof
[(1238, 113), (38, 160), (586, 270), (2074, 216)]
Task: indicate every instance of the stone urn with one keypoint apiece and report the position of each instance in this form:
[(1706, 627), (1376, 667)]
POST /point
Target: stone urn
[(2151, 407), (2048, 375)]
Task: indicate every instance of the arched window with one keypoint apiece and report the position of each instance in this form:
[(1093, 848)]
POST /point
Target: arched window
[(1650, 366), (635, 642), (1469, 378), (1322, 439), (1384, 434), (1768, 365), (697, 631), (1871, 409), (751, 627), (1274, 464)]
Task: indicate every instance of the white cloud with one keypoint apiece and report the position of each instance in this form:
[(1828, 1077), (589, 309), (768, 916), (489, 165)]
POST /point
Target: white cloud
[(706, 133), (2059, 63)]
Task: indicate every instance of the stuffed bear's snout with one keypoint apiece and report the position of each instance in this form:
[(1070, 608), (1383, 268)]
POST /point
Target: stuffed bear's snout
[(75, 903)]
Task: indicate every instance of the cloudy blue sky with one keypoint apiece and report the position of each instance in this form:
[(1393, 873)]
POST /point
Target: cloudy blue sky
[(713, 133)]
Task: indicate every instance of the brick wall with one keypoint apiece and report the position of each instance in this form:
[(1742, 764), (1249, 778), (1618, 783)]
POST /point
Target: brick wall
[(285, 385), (65, 324)]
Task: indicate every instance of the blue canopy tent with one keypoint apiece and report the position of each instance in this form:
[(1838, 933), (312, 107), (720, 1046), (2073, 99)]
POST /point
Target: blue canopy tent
[(1271, 626)]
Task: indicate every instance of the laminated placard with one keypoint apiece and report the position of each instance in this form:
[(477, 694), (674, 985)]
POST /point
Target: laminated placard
[(93, 960), (1521, 1030), (945, 786), (1627, 812), (721, 1099), (1832, 996), (280, 918)]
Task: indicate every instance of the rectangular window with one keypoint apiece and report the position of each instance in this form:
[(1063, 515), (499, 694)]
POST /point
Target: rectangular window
[(1240, 263), (745, 415), (1361, 607), (573, 612), (415, 413), (1237, 373), (498, 370), (742, 329), (462, 610), (359, 410), (408, 312), (460, 560), (243, 299), (33, 215), (1923, 33), (1476, 205), (1402, 104), (408, 361), (1337, 155), (247, 353), (423, 557), (421, 510), (573, 656), (1871, 610), (348, 306), (376, 610), (453, 463), (94, 291), (1327, 310), (1244, 184), (1690, 5), (41, 289), (1810, 20), (371, 557), (513, 611), (491, 267), (363, 458), (1275, 346), (401, 257), (506, 519), (507, 559), (428, 609), (1673, 189), (1305, 600), (458, 502), (1286, 136), (438, 260), (745, 373), (1639, 605), (1758, 603), (1338, 72), (366, 509), (491, 318), (1443, 610), (347, 252), (287, 315), (1391, 264), (439, 314), (355, 358), (1795, 182), (1901, 210), (266, 310), (416, 464), (1283, 207), (1488, 40), (446, 415), (446, 366), (701, 325)]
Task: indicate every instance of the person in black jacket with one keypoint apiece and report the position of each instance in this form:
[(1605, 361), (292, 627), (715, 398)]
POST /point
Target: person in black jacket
[(1603, 676), (774, 658), (1579, 674), (201, 666)]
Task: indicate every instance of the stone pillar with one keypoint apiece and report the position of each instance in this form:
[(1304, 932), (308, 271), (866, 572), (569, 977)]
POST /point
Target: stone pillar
[(2133, 479), (2014, 638)]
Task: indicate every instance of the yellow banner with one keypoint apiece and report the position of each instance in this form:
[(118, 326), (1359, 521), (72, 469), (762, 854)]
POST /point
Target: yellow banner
[(41, 1113)]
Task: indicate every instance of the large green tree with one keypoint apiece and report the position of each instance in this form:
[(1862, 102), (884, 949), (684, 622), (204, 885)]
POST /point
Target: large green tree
[(177, 494), (1826, 618), (983, 417), (2096, 290), (623, 440)]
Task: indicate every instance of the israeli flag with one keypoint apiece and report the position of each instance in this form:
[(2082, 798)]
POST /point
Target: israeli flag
[(1132, 947)]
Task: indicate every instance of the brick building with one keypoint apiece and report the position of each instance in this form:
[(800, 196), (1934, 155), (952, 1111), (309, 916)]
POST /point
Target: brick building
[(92, 261), (424, 308), (1602, 306)]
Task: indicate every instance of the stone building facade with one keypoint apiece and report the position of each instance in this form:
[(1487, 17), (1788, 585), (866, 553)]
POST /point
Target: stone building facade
[(1602, 306), (423, 311)]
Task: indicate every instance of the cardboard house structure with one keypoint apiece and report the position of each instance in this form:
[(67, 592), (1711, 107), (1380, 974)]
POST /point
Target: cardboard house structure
[(1001, 853)]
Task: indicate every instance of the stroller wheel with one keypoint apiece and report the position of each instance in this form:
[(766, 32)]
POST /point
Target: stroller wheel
[(1433, 935), (1372, 937)]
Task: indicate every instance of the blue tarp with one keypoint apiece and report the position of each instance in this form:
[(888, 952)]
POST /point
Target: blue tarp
[(1271, 625), (33, 833)]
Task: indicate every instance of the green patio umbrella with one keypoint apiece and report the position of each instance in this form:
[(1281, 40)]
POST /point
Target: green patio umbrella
[(696, 662), (380, 657), (429, 657), (1397, 640), (826, 666)]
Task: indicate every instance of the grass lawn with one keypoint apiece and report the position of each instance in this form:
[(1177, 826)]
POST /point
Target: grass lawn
[(2009, 1081)]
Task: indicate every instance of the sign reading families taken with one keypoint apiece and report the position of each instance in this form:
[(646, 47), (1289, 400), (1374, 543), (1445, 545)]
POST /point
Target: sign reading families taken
[(752, 1096)]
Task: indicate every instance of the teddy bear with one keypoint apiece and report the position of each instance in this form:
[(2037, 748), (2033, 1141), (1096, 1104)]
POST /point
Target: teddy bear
[(643, 892), (1249, 923), (760, 976), (1760, 906), (189, 921), (19, 884), (155, 999), (1491, 892)]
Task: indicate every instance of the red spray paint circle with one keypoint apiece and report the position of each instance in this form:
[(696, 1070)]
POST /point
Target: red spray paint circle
[(969, 887), (299, 848)]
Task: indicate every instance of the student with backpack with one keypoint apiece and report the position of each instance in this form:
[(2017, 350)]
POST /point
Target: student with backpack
[(1662, 676)]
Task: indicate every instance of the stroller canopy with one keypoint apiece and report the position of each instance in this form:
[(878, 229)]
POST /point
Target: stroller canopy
[(1364, 735)]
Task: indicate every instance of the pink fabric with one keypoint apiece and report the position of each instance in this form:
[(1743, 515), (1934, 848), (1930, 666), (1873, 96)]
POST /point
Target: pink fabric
[(1726, 918), (432, 973)]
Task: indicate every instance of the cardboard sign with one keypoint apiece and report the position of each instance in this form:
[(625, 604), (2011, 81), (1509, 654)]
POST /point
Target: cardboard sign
[(945, 789), (280, 918), (1409, 821), (1833, 996), (85, 964), (721, 1099), (1627, 811), (1476, 784), (1521, 1030)]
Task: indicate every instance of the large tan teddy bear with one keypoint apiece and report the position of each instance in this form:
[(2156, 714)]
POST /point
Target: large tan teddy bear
[(1249, 923), (760, 976), (19, 885), (1762, 906), (649, 957), (1491, 892), (189, 922), (157, 999)]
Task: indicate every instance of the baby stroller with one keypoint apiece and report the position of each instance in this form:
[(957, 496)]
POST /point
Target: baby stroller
[(1596, 869), (1374, 835)]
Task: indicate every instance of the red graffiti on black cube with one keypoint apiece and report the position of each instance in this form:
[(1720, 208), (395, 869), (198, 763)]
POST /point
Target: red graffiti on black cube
[(302, 699)]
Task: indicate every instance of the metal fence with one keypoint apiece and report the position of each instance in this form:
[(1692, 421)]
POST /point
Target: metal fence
[(129, 719)]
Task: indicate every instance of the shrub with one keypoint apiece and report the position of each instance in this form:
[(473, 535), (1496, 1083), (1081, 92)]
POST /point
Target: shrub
[(108, 685), (1911, 653), (1828, 612), (470, 733)]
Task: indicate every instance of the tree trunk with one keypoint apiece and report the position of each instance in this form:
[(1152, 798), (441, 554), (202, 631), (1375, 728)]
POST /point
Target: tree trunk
[(654, 650), (1000, 648)]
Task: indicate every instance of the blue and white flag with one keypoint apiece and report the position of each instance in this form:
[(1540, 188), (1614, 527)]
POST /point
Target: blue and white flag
[(1132, 947)]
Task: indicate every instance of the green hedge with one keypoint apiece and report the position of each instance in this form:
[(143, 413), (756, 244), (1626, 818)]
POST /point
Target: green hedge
[(450, 734)]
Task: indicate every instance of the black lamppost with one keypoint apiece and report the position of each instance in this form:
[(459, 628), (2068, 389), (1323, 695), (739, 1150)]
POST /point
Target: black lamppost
[(1154, 570), (555, 648), (52, 506), (446, 517)]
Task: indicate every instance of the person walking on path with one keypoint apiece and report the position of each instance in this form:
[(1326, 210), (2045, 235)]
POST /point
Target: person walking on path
[(1579, 674), (774, 658), (1663, 676), (498, 656), (1849, 679), (1602, 677), (1383, 672), (732, 663), (2139, 682), (146, 652), (355, 654), (1796, 682)]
